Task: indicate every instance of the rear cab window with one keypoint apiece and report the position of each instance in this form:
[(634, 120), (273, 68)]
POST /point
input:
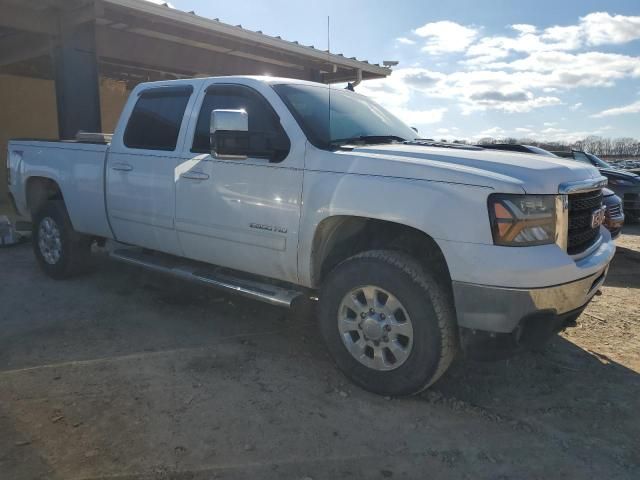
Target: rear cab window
[(155, 121)]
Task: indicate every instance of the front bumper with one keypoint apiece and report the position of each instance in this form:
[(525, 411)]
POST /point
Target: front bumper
[(502, 310), (532, 332)]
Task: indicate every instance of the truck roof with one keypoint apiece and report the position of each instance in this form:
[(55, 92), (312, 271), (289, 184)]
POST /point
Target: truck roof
[(259, 78)]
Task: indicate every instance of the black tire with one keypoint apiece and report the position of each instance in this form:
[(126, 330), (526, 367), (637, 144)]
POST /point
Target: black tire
[(75, 248), (427, 303)]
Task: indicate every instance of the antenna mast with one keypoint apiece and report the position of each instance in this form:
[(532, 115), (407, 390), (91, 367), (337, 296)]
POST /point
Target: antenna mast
[(329, 81)]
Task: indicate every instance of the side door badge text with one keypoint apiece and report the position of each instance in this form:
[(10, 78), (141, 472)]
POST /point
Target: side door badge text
[(268, 228)]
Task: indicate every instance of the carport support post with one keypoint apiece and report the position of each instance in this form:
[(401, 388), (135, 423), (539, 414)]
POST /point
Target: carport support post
[(77, 82)]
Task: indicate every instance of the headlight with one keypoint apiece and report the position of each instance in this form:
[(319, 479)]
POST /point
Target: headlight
[(522, 220)]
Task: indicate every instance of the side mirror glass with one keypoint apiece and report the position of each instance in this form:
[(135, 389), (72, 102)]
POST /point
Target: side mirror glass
[(229, 134)]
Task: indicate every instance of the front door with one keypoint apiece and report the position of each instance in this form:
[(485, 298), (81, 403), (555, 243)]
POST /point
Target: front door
[(241, 214)]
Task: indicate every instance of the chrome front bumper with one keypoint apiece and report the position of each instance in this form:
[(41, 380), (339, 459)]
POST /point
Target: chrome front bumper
[(501, 310)]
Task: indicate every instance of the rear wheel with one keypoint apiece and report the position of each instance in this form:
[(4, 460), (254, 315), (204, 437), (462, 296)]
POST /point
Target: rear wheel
[(60, 251), (387, 322)]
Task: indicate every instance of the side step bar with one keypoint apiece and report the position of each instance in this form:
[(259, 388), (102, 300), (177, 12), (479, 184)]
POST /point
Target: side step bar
[(207, 275)]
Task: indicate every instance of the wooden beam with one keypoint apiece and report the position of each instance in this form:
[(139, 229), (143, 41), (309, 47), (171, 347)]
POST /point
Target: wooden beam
[(124, 47), (184, 34), (159, 14), (340, 76)]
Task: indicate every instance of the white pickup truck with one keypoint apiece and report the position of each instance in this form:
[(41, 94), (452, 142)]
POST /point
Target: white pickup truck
[(281, 189)]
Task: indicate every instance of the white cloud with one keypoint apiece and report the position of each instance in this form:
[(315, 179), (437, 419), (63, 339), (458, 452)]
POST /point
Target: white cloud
[(494, 132), (547, 134), (524, 28), (600, 28), (563, 135), (490, 49), (405, 41), (528, 103), (631, 108), (418, 117), (561, 38), (471, 90), (161, 2), (395, 94), (446, 36), (586, 69), (528, 68)]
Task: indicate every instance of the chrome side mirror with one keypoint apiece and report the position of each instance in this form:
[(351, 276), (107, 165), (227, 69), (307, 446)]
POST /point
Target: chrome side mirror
[(229, 134)]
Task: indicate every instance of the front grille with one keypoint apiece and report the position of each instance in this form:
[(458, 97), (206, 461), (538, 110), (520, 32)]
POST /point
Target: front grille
[(581, 207)]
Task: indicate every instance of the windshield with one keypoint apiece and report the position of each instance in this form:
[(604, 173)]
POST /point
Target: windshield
[(331, 117), (598, 162)]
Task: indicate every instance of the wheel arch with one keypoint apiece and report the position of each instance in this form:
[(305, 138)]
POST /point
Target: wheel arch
[(341, 236), (39, 190)]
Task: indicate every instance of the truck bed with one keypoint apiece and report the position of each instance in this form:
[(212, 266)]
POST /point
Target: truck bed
[(78, 167)]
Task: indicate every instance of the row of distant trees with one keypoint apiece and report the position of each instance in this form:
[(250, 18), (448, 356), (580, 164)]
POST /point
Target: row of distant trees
[(625, 147)]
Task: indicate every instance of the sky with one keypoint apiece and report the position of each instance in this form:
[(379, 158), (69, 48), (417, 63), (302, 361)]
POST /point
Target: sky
[(551, 70)]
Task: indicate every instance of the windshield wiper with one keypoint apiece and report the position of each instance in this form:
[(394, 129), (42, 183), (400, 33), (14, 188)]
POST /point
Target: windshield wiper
[(367, 139)]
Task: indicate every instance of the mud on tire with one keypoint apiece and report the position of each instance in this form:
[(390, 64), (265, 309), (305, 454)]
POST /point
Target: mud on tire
[(425, 300)]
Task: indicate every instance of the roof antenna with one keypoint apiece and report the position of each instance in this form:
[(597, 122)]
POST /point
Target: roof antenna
[(329, 78)]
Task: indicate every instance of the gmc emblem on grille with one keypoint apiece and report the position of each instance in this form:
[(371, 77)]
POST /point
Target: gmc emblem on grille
[(597, 217)]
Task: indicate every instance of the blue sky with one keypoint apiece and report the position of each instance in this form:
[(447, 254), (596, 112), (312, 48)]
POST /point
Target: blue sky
[(556, 70)]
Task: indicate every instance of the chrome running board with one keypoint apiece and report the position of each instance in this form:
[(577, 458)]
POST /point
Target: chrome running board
[(206, 274)]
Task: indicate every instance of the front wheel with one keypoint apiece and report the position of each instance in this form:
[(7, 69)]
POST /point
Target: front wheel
[(60, 251), (387, 322)]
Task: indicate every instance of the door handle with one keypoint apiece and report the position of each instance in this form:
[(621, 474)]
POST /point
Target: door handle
[(195, 175), (122, 167)]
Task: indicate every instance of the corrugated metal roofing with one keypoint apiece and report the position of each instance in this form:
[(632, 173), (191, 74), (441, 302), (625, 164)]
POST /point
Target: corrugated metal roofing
[(169, 6)]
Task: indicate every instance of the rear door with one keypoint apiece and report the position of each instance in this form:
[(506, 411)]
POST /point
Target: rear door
[(242, 214), (140, 176)]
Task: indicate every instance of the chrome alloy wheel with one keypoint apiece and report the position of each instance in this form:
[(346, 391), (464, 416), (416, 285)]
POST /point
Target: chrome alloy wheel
[(49, 241), (375, 328)]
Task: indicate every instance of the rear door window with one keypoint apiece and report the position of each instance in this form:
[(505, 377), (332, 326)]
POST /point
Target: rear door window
[(156, 118)]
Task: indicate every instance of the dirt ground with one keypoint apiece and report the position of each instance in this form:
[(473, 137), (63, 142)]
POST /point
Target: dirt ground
[(121, 374)]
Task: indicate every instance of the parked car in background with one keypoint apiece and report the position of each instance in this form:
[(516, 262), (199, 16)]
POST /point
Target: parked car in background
[(614, 214), (625, 184), (632, 166), (629, 164)]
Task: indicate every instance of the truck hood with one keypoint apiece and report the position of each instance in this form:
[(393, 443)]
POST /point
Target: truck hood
[(508, 172)]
